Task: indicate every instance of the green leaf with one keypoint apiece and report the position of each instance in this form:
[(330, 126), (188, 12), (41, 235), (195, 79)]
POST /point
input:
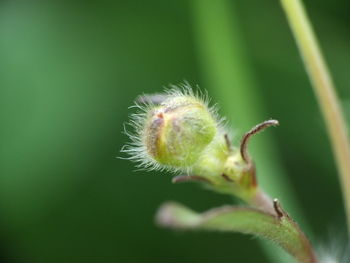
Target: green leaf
[(279, 228)]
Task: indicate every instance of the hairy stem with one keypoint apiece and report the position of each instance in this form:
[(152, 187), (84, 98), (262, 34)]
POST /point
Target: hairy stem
[(324, 90), (265, 203)]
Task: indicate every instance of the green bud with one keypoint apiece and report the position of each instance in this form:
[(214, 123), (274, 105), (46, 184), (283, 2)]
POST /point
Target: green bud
[(176, 132)]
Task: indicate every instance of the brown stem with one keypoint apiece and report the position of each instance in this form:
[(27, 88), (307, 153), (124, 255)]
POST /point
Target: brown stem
[(228, 142), (249, 134)]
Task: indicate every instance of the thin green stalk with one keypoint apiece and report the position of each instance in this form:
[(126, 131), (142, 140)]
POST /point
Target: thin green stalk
[(325, 92), (227, 73)]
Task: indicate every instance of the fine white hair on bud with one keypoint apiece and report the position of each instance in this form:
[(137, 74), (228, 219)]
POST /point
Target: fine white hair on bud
[(173, 133)]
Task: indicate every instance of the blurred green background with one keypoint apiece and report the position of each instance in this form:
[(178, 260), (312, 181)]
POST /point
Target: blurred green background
[(69, 71)]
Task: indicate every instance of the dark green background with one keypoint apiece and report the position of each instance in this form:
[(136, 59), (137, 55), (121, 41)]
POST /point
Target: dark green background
[(69, 71)]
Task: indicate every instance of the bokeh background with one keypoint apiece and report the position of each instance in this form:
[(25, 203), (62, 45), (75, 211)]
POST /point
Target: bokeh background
[(69, 70)]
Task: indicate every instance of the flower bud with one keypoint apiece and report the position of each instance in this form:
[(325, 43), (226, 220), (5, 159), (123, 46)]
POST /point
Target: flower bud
[(176, 132)]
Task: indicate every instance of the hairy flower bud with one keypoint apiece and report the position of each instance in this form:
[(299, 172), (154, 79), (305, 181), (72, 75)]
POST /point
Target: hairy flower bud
[(178, 131), (175, 132)]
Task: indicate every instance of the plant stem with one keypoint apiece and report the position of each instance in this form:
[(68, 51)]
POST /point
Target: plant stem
[(227, 72), (264, 202), (325, 92)]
